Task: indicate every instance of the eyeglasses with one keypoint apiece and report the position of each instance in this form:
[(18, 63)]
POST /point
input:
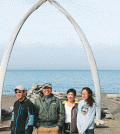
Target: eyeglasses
[(85, 94), (17, 92)]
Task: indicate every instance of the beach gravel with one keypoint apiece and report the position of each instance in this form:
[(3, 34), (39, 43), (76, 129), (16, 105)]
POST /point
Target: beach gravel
[(112, 126)]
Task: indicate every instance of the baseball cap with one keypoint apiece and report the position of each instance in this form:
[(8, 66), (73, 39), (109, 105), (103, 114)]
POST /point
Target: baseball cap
[(20, 88), (47, 85)]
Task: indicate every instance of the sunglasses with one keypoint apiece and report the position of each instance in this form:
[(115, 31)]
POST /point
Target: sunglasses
[(17, 92)]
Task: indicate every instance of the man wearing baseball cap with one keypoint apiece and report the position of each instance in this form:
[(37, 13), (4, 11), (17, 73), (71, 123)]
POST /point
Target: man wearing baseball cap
[(50, 113), (23, 113)]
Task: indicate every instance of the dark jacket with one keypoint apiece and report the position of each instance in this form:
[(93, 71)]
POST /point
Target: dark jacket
[(22, 117), (74, 119), (49, 115), (73, 124)]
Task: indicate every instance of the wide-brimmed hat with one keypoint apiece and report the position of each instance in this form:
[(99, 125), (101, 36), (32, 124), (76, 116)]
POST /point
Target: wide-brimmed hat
[(47, 85)]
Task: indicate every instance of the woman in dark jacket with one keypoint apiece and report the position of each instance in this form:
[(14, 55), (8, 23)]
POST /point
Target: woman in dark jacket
[(70, 126)]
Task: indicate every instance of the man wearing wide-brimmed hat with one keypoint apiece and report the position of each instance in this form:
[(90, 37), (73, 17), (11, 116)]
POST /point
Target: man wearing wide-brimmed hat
[(50, 113), (23, 113)]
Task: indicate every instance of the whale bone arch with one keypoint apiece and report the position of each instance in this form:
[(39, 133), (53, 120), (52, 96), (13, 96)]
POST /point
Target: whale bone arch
[(7, 53)]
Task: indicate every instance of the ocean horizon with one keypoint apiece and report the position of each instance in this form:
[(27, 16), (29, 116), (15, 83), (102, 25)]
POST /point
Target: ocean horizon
[(62, 80)]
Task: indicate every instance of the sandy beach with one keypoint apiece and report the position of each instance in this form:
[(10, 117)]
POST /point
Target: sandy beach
[(112, 126)]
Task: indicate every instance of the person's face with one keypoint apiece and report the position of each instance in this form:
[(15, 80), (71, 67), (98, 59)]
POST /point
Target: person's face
[(47, 91), (85, 94), (20, 94), (71, 97)]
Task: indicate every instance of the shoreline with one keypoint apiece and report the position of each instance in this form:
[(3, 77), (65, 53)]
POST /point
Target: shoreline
[(65, 92)]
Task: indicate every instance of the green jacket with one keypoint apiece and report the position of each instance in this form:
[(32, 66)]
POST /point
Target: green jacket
[(49, 115)]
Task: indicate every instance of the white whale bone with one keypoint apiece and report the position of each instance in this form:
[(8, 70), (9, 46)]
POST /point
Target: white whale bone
[(88, 50), (90, 56)]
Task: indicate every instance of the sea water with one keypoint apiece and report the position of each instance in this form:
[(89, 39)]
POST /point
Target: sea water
[(62, 80)]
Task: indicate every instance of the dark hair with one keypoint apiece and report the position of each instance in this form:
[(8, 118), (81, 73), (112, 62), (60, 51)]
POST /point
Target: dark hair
[(72, 90), (90, 99)]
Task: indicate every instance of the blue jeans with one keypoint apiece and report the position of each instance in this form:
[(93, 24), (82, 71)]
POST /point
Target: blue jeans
[(89, 131)]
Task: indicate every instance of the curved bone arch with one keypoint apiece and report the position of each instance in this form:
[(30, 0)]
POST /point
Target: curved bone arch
[(81, 35)]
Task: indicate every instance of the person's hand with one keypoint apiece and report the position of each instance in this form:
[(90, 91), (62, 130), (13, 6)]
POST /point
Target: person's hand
[(59, 115), (79, 131), (57, 127), (94, 126)]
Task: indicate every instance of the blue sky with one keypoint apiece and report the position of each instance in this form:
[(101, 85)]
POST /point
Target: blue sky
[(47, 40)]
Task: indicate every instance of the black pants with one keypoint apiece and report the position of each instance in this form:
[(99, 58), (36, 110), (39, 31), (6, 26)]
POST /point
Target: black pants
[(89, 131), (67, 128)]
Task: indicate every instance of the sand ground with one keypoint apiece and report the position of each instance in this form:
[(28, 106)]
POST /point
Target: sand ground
[(112, 126)]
